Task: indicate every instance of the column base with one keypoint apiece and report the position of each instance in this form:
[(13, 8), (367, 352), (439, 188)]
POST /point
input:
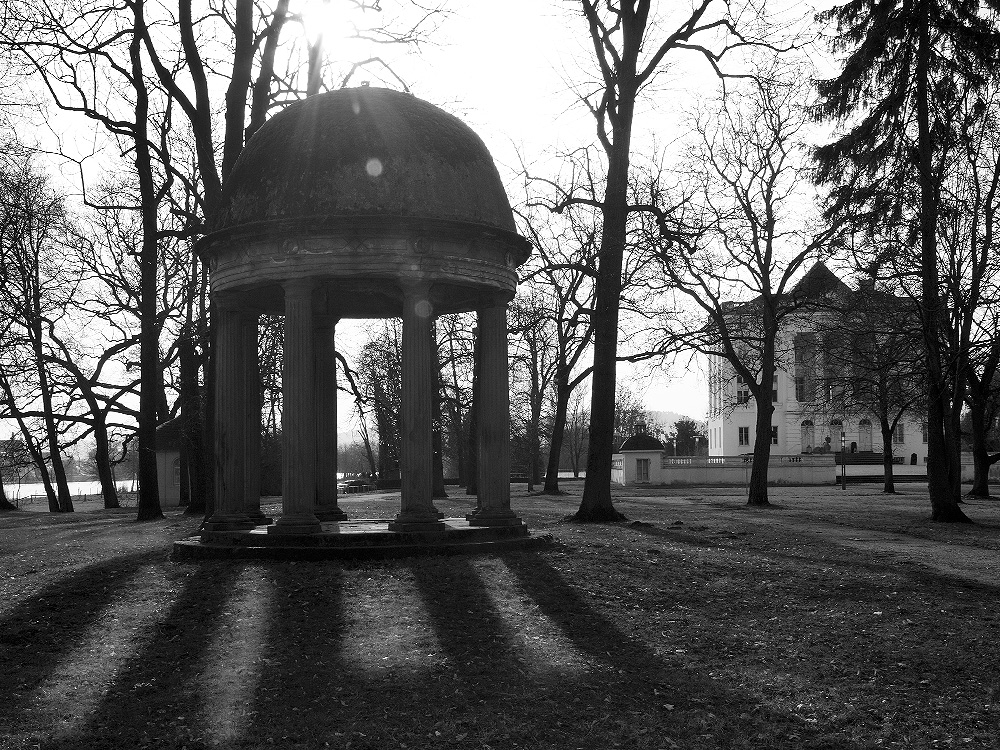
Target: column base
[(330, 514), (495, 518), (229, 522), (306, 523), (429, 521), (258, 517)]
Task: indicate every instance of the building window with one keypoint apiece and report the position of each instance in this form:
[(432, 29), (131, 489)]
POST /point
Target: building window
[(642, 470), (774, 435), (774, 396), (177, 472), (897, 433), (808, 436), (800, 388), (865, 435), (923, 432), (744, 436), (742, 391)]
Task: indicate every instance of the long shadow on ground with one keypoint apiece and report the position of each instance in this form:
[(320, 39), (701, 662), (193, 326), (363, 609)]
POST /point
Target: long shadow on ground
[(143, 707), (424, 655), (39, 632)]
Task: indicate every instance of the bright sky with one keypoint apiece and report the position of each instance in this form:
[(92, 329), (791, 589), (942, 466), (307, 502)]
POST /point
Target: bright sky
[(508, 69)]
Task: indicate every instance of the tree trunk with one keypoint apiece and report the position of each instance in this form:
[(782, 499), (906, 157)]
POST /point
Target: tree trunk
[(149, 349), (366, 441), (981, 459), (534, 451), (596, 505), (472, 486), (437, 469), (940, 484), (39, 461), (437, 443), (192, 429), (757, 492), (102, 458), (555, 444), (889, 486), (5, 504), (63, 497)]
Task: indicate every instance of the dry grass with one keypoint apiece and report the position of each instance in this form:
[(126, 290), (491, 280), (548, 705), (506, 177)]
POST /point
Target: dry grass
[(835, 620)]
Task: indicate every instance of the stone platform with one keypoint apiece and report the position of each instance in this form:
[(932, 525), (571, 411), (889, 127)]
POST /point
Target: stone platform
[(356, 539)]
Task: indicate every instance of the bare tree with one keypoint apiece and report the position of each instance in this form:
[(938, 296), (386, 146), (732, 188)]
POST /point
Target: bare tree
[(138, 70), (736, 249), (628, 61), (873, 364), (905, 66), (564, 266), (37, 278), (456, 344), (534, 361), (969, 238)]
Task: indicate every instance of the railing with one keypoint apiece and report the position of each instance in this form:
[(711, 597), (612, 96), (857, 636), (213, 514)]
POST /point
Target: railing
[(744, 460)]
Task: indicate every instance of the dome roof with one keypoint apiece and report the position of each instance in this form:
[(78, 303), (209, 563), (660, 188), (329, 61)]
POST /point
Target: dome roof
[(641, 442), (363, 152)]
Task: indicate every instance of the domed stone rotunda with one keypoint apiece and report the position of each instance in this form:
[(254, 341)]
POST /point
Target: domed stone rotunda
[(357, 203)]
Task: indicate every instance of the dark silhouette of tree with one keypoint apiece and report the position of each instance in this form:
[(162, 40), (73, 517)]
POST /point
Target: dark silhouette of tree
[(564, 264), (628, 60), (146, 74), (689, 437), (970, 240), (534, 361), (873, 364), (379, 375), (738, 244), (36, 280), (905, 62)]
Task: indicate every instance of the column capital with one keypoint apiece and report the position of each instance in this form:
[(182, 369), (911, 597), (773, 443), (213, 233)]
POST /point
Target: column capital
[(322, 322), (413, 287), (298, 286)]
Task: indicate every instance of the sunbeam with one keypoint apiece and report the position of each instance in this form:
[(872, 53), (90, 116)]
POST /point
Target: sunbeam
[(235, 657), (81, 681), (380, 636), (545, 647)]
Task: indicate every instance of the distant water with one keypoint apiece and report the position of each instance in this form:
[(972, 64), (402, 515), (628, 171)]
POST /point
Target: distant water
[(76, 489)]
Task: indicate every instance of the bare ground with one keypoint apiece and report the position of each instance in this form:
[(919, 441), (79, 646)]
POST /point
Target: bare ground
[(832, 620)]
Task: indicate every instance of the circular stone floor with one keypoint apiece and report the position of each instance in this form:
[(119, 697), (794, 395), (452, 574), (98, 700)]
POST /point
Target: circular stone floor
[(361, 538)]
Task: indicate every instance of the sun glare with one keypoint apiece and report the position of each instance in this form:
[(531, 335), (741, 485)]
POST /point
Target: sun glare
[(328, 20)]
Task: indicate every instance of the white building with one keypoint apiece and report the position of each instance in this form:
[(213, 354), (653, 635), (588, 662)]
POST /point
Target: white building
[(807, 418)]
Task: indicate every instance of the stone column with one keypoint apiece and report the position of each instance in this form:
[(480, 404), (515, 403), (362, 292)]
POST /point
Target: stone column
[(493, 424), (326, 421), (417, 511), (298, 415), (252, 409), (230, 422)]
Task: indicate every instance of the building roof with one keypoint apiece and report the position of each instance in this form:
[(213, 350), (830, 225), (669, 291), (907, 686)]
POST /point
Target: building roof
[(641, 442), (363, 152), (819, 281), (169, 435)]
